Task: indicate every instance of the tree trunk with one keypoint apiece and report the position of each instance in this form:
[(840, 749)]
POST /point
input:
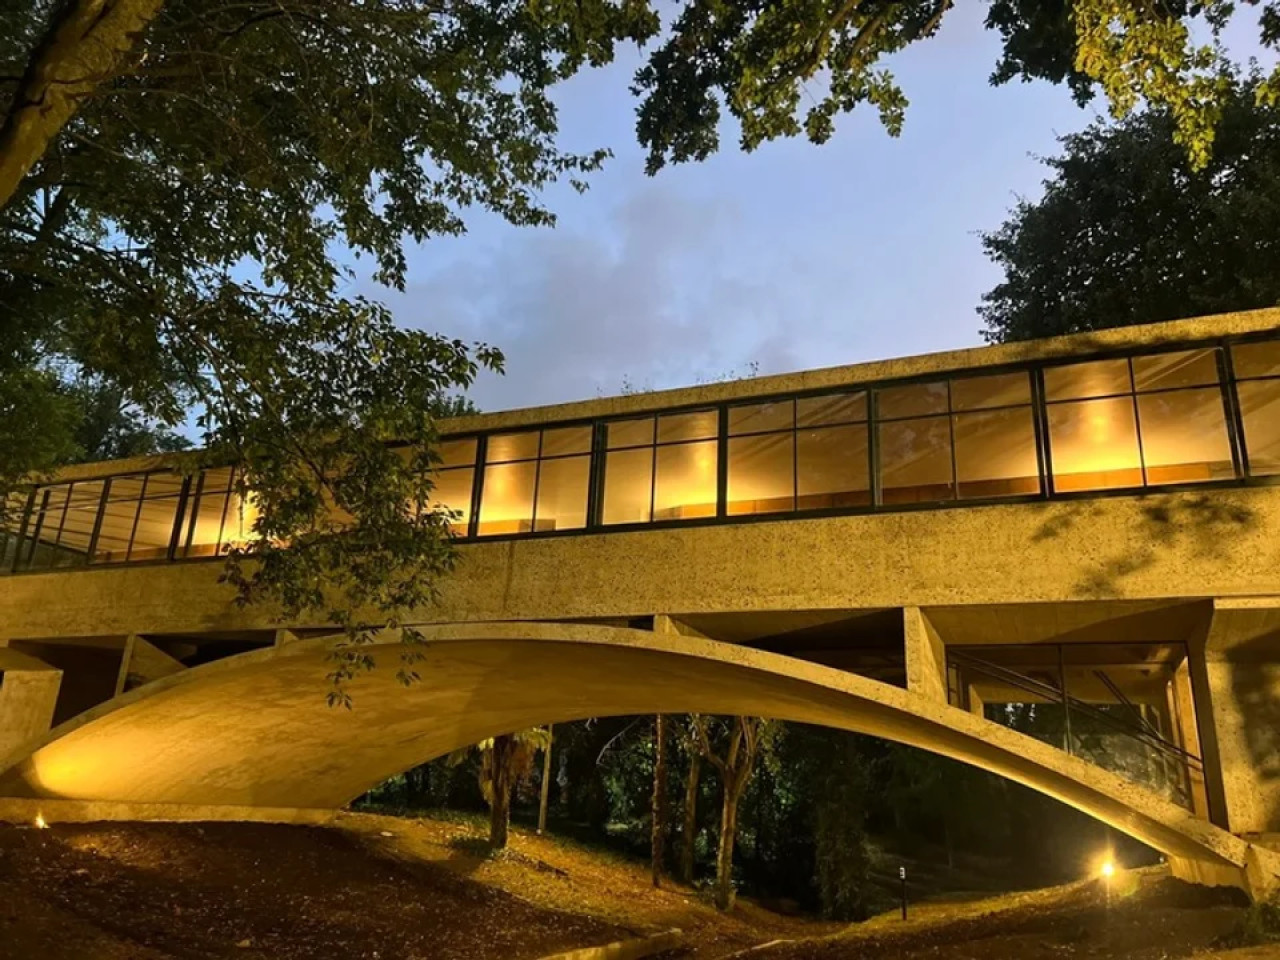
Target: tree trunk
[(87, 45), (500, 784), (658, 828), (690, 836), (546, 785), (725, 892)]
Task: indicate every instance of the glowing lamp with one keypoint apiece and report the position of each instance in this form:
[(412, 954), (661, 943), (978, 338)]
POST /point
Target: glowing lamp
[(40, 822), (1108, 869)]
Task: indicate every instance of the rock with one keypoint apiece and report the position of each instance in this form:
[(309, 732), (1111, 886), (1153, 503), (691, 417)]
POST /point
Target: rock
[(387, 833), (245, 944)]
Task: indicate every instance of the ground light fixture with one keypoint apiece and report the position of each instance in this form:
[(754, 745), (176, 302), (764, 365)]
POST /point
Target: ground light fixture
[(41, 824)]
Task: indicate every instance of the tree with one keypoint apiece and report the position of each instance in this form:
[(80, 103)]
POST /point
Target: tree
[(176, 176), (689, 830), (658, 824), (1126, 232), (743, 739), (505, 761)]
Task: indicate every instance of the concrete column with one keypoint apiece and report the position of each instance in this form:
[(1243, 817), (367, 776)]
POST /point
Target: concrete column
[(1186, 732), (664, 623), (977, 705), (926, 656), (143, 662), (28, 695), (1240, 678)]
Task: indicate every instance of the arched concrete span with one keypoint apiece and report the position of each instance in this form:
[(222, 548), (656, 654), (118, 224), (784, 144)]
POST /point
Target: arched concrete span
[(254, 729)]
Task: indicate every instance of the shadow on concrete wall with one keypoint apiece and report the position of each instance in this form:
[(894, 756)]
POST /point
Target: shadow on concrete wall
[(1205, 523)]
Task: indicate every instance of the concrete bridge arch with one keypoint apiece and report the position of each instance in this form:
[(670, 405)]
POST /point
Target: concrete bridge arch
[(254, 730)]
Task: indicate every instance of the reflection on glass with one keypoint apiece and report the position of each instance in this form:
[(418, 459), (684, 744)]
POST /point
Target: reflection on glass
[(913, 400), (685, 481), (566, 440), (980, 393), (506, 499), (153, 529), (761, 417), (699, 425), (628, 486), (1260, 410), (996, 454), (1184, 436), (1099, 378), (512, 446), (832, 468), (1094, 445), (1186, 368), (915, 461), (831, 409), (562, 493), (761, 474), (1260, 359), (629, 433), (206, 517), (451, 494), (457, 453)]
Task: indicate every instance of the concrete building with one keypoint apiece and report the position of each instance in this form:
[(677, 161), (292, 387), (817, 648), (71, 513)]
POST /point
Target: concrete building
[(1057, 560)]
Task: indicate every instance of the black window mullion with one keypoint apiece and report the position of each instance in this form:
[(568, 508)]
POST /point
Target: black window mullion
[(22, 529), (1235, 418), (196, 502), (137, 513), (1137, 421), (179, 514), (951, 428), (537, 478), (62, 520), (97, 521), (39, 527), (722, 464), (1040, 419), (477, 486), (873, 447), (595, 476)]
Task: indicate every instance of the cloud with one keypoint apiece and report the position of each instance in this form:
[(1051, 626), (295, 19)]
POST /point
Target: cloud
[(665, 292)]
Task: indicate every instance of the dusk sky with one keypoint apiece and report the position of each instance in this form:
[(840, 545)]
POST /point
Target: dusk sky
[(792, 257)]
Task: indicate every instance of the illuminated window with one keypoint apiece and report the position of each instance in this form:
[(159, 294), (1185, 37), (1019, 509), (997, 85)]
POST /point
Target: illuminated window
[(1152, 420), (806, 454), (660, 468), (969, 438), (1257, 370), (453, 480), (535, 481)]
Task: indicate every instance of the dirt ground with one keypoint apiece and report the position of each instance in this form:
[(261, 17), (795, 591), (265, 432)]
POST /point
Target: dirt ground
[(383, 888)]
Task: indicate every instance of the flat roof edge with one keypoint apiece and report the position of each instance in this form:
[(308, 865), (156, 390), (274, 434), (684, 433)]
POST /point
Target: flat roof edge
[(873, 371)]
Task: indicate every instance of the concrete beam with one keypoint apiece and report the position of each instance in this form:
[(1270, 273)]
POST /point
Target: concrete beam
[(926, 656), (28, 696), (143, 662)]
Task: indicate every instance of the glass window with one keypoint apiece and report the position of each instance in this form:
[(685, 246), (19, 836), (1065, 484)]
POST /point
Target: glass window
[(507, 498), (565, 441), (505, 447), (1260, 411), (996, 454), (457, 453), (451, 493), (79, 520), (831, 409), (762, 417), (206, 515), (981, 393), (629, 433), (562, 493), (912, 400), (1165, 371), (628, 486), (1184, 436), (685, 481), (1261, 359), (915, 460), (1099, 378), (832, 467), (700, 425), (761, 473), (1094, 444), (157, 513)]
